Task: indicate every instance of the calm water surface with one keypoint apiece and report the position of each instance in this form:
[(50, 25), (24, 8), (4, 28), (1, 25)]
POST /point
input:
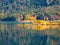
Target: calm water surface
[(29, 34)]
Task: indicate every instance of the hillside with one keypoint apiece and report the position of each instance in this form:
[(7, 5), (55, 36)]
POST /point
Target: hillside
[(15, 7)]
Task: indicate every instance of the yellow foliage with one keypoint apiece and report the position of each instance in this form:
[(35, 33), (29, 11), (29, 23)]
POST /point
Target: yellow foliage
[(40, 22), (29, 17)]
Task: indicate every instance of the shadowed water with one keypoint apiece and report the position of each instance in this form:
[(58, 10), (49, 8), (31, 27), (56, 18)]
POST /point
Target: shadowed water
[(29, 34)]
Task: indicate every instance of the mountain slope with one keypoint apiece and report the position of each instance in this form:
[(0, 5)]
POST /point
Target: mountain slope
[(11, 7)]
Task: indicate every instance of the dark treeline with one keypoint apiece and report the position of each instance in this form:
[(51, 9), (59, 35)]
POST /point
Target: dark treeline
[(8, 19)]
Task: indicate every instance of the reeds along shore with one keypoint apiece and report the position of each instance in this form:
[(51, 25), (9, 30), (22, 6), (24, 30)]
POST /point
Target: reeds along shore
[(42, 22)]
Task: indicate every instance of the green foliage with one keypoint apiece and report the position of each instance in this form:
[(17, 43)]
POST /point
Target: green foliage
[(31, 6)]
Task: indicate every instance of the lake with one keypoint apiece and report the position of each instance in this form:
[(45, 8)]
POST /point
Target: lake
[(29, 34)]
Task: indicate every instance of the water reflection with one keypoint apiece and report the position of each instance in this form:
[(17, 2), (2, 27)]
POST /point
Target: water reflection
[(38, 26), (29, 34), (27, 26)]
